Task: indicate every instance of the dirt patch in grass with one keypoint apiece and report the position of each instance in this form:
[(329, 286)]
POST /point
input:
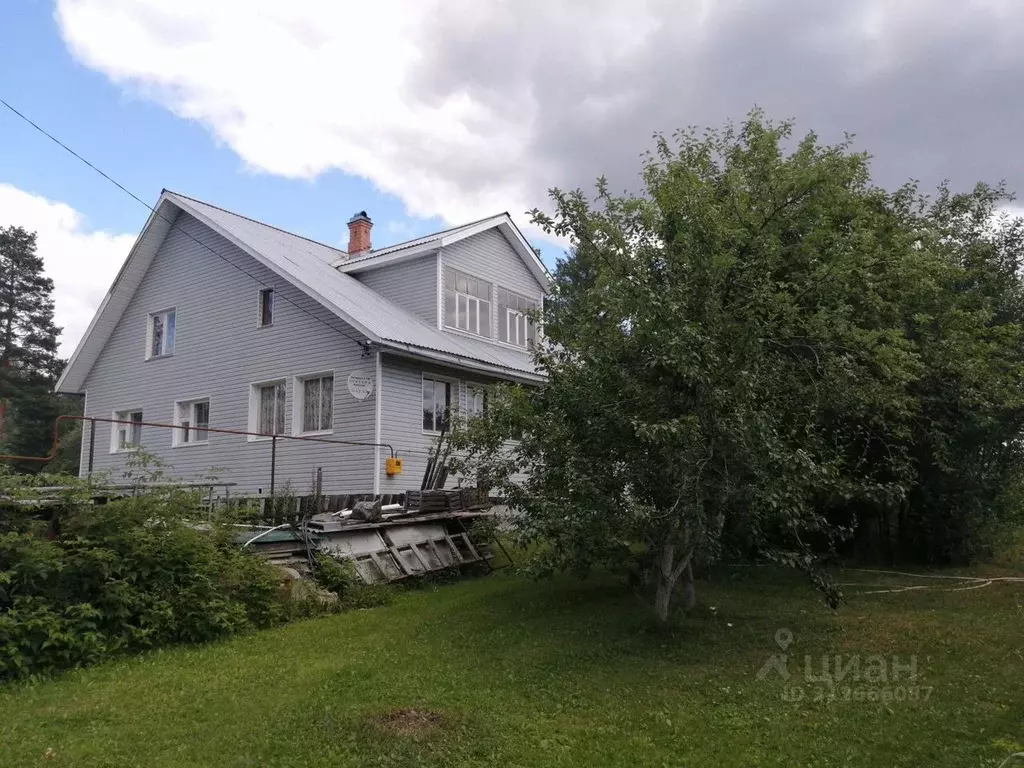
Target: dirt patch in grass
[(409, 721)]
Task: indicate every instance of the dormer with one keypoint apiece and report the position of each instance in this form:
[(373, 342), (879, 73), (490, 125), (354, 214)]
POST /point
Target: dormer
[(479, 280)]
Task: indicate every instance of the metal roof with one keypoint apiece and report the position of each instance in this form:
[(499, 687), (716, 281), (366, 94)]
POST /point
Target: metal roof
[(307, 265)]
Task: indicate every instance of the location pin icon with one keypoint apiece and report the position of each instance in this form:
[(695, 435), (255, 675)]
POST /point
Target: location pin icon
[(783, 638)]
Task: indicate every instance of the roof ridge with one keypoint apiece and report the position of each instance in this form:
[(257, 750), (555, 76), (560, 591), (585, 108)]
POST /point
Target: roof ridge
[(257, 221)]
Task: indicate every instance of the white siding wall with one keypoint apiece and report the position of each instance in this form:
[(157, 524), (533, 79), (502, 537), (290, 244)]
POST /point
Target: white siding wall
[(402, 416), (219, 351), (411, 285), (489, 256)]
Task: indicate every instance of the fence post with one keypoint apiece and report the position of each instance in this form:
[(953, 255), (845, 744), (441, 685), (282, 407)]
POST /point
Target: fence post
[(92, 443)]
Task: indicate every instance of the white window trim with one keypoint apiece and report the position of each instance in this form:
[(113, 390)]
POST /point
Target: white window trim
[(176, 433), (254, 407), (440, 293), (456, 405), (149, 332), (537, 327), (468, 385), (259, 306), (298, 395), (492, 291), (115, 446)]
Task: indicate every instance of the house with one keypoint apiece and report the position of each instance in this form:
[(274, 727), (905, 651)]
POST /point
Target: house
[(217, 321)]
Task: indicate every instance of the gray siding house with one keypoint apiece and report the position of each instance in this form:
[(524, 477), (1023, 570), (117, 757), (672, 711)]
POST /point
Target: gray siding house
[(217, 321)]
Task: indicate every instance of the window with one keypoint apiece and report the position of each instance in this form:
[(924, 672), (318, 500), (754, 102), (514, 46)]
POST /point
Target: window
[(315, 403), (467, 303), (193, 420), (514, 327), (266, 408), (476, 400), (266, 307), (437, 400), (161, 334), (126, 433)]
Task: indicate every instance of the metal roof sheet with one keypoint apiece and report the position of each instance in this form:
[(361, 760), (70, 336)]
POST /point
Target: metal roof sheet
[(306, 263)]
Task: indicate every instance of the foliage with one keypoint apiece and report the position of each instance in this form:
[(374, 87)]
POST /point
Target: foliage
[(28, 348), (557, 674), (341, 578), (121, 577), (753, 352)]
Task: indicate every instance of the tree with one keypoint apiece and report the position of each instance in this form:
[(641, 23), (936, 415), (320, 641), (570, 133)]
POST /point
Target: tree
[(728, 360), (28, 346), (966, 325)]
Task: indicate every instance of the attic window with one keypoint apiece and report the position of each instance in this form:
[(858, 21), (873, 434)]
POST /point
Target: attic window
[(515, 326), (266, 307), (160, 334), (467, 303)]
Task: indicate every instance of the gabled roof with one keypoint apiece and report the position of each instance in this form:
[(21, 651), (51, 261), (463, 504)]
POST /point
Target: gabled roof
[(430, 243), (307, 265)]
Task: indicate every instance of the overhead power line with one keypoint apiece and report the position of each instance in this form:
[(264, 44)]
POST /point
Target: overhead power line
[(153, 211)]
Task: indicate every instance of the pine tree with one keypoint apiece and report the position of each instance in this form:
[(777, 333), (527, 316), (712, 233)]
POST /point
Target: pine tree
[(28, 348)]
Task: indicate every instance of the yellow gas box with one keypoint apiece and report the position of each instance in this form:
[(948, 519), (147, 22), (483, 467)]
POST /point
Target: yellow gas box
[(393, 466)]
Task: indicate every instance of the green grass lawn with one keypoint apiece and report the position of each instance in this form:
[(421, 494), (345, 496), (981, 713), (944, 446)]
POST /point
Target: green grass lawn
[(501, 671)]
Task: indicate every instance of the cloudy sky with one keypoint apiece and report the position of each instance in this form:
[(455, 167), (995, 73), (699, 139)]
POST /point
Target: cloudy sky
[(427, 113)]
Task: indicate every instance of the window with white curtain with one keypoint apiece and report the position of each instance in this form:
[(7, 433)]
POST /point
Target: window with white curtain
[(266, 408), (126, 432), (437, 400), (315, 403), (192, 417), (476, 400), (514, 326), (467, 303)]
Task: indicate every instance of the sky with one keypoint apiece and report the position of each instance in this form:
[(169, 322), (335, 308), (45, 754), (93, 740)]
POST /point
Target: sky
[(431, 113)]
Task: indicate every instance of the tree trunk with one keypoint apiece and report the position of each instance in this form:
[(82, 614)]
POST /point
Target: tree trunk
[(689, 591), (669, 572), (663, 596)]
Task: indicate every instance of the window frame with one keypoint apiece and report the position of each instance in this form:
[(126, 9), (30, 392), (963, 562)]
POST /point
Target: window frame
[(177, 432), (453, 403), (490, 300), (483, 389), (118, 416), (260, 306), (254, 407), (538, 304), (299, 402), (165, 313)]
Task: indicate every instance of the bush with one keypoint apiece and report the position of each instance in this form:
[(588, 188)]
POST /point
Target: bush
[(119, 578), (341, 578)]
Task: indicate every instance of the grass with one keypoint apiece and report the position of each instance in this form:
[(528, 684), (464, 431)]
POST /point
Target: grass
[(501, 671)]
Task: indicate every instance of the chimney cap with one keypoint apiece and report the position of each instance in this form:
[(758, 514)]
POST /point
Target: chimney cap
[(359, 215)]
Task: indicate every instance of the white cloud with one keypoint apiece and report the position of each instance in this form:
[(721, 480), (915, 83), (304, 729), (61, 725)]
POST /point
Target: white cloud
[(462, 108), (82, 263), (298, 88)]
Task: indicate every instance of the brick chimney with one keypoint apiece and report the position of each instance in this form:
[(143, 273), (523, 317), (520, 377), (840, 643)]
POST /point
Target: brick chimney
[(359, 227)]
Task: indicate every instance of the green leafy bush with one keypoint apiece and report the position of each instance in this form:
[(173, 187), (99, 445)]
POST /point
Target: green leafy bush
[(122, 577), (341, 578)]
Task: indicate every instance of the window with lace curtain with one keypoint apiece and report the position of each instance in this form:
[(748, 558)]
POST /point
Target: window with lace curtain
[(315, 403), (266, 408)]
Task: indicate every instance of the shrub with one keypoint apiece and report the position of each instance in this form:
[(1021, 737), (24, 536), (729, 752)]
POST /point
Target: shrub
[(122, 577), (341, 578)]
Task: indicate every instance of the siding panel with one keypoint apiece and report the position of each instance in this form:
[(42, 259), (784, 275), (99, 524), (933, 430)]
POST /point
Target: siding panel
[(490, 256), (219, 351), (402, 417), (411, 284)]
